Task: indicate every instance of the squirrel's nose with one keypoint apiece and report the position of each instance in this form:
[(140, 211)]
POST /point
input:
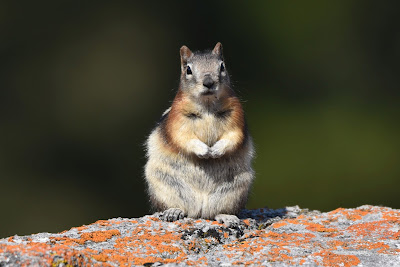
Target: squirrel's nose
[(208, 82)]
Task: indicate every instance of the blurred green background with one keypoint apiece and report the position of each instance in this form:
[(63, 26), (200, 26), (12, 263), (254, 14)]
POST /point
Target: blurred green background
[(82, 84)]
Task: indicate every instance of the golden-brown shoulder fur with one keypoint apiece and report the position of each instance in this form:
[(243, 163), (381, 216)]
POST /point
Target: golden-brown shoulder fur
[(187, 120)]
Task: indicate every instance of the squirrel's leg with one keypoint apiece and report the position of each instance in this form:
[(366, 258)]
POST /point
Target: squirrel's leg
[(172, 214), (230, 198)]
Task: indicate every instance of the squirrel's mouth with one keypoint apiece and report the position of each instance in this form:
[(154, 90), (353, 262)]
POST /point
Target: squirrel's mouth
[(208, 92)]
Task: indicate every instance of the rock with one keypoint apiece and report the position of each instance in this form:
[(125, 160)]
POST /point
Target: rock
[(365, 236)]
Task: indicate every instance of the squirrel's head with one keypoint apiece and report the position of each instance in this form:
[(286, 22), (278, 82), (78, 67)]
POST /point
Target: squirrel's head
[(204, 74)]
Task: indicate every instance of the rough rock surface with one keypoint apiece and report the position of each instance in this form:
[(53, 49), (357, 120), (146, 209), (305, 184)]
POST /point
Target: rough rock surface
[(365, 236)]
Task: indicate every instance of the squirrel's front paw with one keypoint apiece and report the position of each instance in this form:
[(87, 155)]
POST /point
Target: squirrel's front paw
[(199, 148), (219, 148)]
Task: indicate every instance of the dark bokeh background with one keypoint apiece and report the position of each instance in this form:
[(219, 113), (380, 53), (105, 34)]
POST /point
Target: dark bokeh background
[(82, 84)]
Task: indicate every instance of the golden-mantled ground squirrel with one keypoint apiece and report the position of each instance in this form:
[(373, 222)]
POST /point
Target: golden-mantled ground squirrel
[(200, 153)]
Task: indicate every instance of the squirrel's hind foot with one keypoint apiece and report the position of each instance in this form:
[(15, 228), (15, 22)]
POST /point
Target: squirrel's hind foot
[(172, 214), (228, 220)]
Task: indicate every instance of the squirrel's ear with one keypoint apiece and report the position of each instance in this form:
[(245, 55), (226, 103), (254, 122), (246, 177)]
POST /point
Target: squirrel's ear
[(218, 49), (185, 54)]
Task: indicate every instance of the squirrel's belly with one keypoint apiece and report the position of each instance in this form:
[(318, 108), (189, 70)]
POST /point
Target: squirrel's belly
[(201, 188), (212, 188)]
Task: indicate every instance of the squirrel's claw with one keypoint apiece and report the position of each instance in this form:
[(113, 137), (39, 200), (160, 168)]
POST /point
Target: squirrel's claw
[(172, 214)]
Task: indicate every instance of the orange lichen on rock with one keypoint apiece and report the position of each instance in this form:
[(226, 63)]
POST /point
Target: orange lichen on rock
[(333, 234), (103, 222), (202, 260), (335, 260), (127, 249), (279, 254), (314, 227), (99, 236), (319, 228), (382, 228), (391, 216), (154, 243), (35, 249), (80, 228), (279, 224), (369, 245), (100, 257), (334, 244), (352, 215), (246, 222), (270, 246)]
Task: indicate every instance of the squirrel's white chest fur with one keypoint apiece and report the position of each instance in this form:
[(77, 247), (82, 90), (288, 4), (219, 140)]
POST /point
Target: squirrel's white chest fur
[(208, 128)]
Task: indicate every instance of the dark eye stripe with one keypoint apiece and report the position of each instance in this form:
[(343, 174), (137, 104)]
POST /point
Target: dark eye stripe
[(222, 67), (188, 70)]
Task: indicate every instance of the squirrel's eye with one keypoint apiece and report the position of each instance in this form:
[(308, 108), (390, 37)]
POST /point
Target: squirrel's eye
[(188, 70), (222, 67)]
